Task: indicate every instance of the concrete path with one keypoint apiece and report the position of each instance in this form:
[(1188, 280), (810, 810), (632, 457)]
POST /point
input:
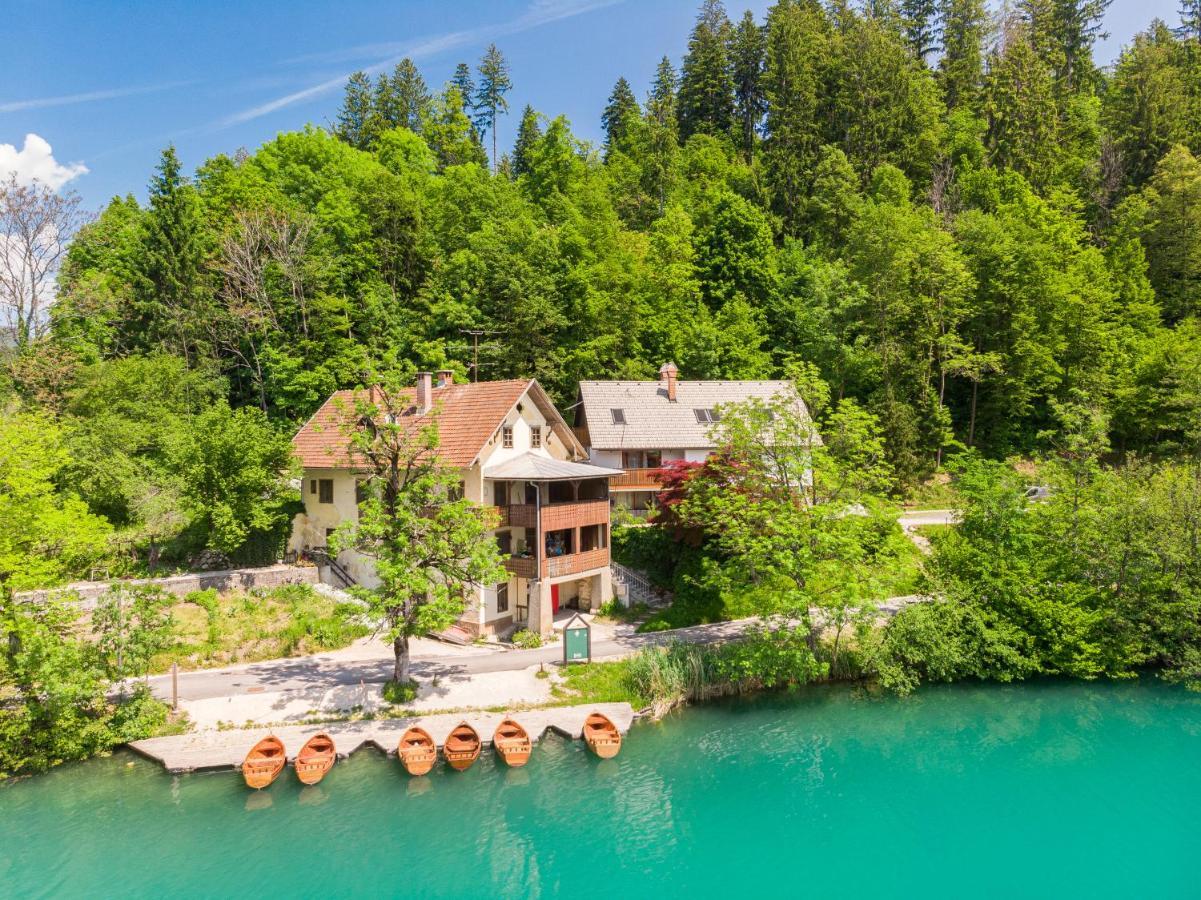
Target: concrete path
[(332, 670), (227, 749), (918, 517)]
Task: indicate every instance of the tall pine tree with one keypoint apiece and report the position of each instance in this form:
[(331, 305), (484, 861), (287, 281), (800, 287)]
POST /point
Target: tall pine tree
[(615, 119), (921, 26), (793, 84), (1022, 118), (528, 133), (490, 99), (965, 26), (706, 103), (169, 279), (748, 50), (353, 123), (410, 95)]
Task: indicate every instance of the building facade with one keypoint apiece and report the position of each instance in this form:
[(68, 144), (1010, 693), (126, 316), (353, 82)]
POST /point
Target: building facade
[(639, 426), (514, 452)]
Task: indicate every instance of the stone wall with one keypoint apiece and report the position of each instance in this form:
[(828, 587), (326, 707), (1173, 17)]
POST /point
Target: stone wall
[(86, 593)]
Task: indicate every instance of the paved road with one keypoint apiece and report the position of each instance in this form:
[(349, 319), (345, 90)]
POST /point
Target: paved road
[(312, 671), (913, 519)]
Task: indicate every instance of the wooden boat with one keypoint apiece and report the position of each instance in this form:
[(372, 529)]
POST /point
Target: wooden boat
[(462, 747), (602, 735), (513, 743), (417, 751), (315, 758), (264, 762)]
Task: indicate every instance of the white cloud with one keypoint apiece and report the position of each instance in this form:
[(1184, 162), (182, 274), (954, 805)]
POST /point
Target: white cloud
[(35, 162), (539, 12)]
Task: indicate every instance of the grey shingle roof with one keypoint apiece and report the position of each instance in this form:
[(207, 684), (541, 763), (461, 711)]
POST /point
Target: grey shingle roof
[(655, 423), (536, 467)]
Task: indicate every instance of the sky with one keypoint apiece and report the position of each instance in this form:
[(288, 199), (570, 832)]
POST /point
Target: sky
[(92, 90)]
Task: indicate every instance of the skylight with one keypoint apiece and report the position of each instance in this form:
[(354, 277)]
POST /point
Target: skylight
[(619, 416), (707, 415)]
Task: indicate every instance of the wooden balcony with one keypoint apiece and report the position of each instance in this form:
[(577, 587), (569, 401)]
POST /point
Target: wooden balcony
[(521, 566), (557, 515), (636, 480), (575, 563)]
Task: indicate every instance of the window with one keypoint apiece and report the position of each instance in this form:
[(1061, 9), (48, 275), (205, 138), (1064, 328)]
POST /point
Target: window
[(325, 490), (361, 491), (504, 542), (707, 415), (500, 493), (619, 416), (329, 533), (502, 598), (506, 436), (654, 459), (536, 436), (312, 485)]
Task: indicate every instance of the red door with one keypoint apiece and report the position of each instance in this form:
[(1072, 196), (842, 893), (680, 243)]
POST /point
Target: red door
[(554, 598)]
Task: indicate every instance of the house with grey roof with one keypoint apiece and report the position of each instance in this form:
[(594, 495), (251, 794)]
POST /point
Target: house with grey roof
[(638, 426)]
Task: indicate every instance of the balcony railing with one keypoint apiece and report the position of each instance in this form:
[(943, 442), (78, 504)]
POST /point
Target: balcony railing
[(574, 514), (636, 480), (521, 566), (574, 563)]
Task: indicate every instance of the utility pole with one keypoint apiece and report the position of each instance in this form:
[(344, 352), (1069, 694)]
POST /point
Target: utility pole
[(476, 334)]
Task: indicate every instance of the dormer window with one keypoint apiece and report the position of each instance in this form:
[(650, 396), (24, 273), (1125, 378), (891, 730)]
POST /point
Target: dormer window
[(619, 416), (536, 436), (506, 437)]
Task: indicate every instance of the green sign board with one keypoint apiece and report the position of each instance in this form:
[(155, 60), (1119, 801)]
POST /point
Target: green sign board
[(577, 640)]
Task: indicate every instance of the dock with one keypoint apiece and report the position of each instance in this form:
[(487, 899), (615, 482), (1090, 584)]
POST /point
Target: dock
[(206, 751)]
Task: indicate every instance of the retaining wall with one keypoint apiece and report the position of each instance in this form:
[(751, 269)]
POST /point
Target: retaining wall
[(86, 593)]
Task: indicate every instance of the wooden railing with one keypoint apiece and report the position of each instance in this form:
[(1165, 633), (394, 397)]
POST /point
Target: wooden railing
[(636, 480), (574, 563), (521, 566)]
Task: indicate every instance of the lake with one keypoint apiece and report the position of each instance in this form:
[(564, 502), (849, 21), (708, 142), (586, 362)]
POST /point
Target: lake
[(1045, 790)]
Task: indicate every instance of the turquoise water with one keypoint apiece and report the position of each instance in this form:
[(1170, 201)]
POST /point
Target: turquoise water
[(1052, 790)]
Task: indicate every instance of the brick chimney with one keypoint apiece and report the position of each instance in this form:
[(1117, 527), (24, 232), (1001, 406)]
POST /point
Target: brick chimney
[(424, 398), (667, 375), (445, 377)]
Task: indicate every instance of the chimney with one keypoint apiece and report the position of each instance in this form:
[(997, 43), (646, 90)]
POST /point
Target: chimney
[(667, 375), (425, 394), (445, 377)]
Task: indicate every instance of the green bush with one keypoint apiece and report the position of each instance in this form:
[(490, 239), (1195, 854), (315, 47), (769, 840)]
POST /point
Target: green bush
[(399, 693), (526, 639)]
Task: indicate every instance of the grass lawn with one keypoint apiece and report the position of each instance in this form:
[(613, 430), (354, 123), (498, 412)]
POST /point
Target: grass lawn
[(213, 630), (598, 682)]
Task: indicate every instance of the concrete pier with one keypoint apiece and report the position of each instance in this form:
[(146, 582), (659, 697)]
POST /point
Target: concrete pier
[(209, 750)]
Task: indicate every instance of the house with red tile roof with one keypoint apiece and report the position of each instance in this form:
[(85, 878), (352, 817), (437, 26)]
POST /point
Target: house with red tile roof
[(513, 451)]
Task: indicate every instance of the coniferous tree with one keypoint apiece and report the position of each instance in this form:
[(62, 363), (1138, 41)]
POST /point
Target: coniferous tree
[(1022, 117), (748, 48), (793, 86), (1190, 20), (410, 95), (464, 82), (706, 104), (961, 68), (490, 99), (528, 133), (621, 105), (170, 263), (1063, 32), (921, 26), (354, 117), (662, 133)]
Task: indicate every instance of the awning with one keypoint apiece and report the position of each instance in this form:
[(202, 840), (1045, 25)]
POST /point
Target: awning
[(536, 467)]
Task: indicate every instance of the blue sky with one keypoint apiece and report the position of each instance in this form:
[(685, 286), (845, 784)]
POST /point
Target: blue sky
[(108, 83)]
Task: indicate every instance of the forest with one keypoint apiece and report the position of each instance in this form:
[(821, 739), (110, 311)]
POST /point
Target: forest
[(958, 218)]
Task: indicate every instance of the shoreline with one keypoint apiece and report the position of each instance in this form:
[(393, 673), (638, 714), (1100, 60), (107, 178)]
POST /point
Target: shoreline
[(208, 751)]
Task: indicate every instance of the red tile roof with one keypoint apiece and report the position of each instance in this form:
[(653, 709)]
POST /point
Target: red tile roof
[(468, 415)]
